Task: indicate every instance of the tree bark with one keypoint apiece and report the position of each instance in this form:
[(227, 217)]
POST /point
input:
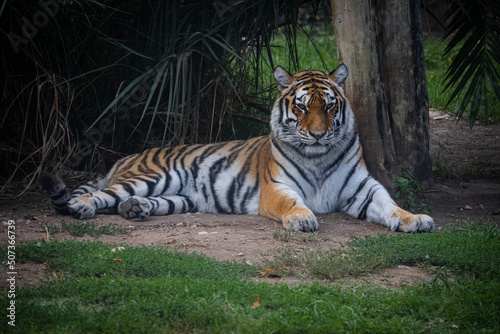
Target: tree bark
[(405, 84), (355, 28), (381, 44)]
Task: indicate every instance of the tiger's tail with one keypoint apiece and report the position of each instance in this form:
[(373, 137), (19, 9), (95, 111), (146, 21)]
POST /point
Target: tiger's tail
[(57, 191)]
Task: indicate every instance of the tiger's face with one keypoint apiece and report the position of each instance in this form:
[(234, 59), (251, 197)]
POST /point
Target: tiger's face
[(310, 108)]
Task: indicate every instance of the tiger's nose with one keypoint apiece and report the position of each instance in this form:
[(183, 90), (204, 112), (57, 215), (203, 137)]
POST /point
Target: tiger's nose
[(317, 134)]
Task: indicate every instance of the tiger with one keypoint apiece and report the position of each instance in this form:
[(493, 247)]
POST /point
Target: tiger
[(310, 163)]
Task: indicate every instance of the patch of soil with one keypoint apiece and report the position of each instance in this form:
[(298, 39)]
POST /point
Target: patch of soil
[(471, 192)]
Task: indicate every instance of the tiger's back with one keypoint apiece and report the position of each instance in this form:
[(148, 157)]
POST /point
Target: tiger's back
[(310, 163)]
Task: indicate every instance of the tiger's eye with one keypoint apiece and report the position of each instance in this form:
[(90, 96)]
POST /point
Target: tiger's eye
[(301, 107), (329, 106)]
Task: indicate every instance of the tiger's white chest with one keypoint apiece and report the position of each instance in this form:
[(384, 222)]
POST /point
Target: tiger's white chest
[(324, 189)]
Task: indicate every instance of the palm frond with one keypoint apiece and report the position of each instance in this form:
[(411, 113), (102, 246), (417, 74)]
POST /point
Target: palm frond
[(474, 27)]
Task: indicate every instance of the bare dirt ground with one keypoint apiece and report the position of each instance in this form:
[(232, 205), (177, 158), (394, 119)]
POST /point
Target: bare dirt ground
[(471, 193)]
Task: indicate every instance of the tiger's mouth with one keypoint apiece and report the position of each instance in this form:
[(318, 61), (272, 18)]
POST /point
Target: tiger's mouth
[(317, 143)]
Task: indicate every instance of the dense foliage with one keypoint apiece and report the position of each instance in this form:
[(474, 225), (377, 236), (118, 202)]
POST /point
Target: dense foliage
[(86, 81)]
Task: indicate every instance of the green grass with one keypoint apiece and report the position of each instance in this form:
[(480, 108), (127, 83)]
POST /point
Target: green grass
[(197, 305), (470, 251), (155, 290), (80, 228)]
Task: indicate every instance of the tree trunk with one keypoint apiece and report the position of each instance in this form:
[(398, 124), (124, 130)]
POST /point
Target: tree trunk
[(381, 44), (405, 84)]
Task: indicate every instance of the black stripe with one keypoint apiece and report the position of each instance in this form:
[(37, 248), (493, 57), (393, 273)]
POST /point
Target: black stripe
[(271, 177), (193, 148), (145, 156), (190, 203), (352, 199), (128, 188), (250, 194), (204, 192), (366, 203), (114, 195), (168, 180), (171, 206), (150, 184), (287, 108), (155, 203), (240, 143), (281, 110), (166, 151), (246, 195), (156, 159), (342, 105), (241, 177), (301, 172), (214, 172), (291, 178), (210, 150), (342, 154), (230, 194), (349, 175), (180, 179), (195, 168), (100, 201)]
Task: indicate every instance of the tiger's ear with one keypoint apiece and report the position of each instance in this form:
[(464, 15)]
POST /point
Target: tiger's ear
[(283, 78), (339, 75)]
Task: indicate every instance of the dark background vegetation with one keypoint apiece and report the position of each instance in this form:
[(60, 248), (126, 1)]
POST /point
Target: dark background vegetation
[(84, 83)]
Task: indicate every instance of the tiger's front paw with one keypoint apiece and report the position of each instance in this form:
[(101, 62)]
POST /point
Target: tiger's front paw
[(408, 222), (301, 220), (134, 208), (81, 207)]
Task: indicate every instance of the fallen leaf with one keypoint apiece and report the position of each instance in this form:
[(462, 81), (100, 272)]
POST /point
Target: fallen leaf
[(119, 261), (454, 326), (257, 303), (117, 249), (269, 272)]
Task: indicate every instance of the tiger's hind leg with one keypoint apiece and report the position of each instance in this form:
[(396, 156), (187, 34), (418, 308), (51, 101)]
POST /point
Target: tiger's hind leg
[(82, 203), (137, 208), (60, 195), (84, 206)]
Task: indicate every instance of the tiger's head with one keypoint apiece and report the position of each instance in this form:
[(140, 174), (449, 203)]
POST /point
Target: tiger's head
[(310, 110)]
